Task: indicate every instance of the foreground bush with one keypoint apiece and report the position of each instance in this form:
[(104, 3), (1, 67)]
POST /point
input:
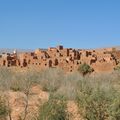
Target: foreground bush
[(115, 109), (98, 102), (54, 109), (3, 109)]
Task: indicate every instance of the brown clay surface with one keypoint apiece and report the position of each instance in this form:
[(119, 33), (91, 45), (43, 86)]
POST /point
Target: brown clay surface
[(67, 59)]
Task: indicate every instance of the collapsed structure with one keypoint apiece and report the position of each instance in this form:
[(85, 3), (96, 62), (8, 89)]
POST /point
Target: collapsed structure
[(67, 59)]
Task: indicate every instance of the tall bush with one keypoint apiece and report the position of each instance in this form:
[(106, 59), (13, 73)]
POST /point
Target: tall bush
[(85, 69), (53, 109)]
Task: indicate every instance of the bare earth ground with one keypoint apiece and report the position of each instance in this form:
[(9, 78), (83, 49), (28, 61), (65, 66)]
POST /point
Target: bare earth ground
[(17, 101), (73, 111)]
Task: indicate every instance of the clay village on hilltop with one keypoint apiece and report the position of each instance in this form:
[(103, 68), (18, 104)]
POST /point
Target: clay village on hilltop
[(67, 59)]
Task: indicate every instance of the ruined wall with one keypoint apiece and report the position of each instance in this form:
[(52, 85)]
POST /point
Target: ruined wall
[(67, 59)]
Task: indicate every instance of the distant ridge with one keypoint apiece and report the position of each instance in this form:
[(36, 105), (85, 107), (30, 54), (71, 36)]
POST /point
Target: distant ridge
[(118, 47), (10, 50)]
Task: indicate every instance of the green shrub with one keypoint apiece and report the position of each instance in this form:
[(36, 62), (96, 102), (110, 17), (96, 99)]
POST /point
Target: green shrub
[(84, 69), (117, 67), (98, 100), (54, 109), (3, 109), (115, 108), (95, 106)]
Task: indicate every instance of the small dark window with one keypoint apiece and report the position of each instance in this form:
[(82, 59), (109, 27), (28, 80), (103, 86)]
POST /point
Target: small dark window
[(4, 63), (29, 61)]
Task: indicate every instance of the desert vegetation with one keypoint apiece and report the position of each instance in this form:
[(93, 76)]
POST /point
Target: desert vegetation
[(54, 109), (3, 108), (45, 95), (85, 69)]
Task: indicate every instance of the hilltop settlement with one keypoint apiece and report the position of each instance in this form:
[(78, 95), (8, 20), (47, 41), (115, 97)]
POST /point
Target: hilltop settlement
[(68, 59)]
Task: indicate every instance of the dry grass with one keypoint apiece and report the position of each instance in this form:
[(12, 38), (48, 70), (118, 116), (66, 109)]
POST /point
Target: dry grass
[(72, 86)]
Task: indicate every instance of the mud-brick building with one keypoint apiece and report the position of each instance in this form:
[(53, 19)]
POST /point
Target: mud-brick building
[(67, 59), (8, 60), (105, 61)]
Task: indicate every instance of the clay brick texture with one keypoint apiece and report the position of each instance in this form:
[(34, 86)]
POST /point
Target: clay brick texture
[(67, 59)]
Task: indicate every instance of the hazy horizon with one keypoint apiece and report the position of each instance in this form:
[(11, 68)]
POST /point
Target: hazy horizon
[(32, 49)]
